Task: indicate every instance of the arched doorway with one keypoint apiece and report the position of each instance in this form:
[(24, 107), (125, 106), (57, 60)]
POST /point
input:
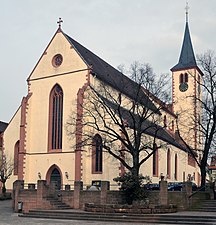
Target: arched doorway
[(54, 176)]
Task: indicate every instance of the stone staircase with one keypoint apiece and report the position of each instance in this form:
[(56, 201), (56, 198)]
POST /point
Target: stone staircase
[(174, 218), (57, 204), (206, 206)]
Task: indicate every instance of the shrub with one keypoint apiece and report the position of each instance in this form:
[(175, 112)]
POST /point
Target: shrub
[(132, 186)]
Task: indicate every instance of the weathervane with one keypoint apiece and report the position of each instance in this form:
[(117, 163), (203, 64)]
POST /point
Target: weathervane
[(60, 21), (187, 10)]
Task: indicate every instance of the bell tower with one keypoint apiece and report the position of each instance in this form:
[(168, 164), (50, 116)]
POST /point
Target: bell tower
[(186, 91)]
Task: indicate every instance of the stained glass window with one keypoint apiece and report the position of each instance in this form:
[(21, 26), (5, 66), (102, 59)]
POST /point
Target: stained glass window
[(56, 108), (97, 156)]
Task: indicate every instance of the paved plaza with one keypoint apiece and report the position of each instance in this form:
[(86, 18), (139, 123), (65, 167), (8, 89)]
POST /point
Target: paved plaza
[(8, 217)]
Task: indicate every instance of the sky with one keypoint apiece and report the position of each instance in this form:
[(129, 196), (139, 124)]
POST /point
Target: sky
[(119, 31)]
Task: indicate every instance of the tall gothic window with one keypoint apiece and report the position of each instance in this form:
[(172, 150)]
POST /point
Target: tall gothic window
[(97, 156), (176, 167), (155, 163), (168, 164), (55, 118), (16, 158)]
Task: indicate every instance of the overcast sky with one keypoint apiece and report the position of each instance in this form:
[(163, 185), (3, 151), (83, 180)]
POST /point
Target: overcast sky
[(119, 31)]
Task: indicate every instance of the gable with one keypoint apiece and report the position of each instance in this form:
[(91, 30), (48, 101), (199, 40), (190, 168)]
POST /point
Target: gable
[(71, 60), (75, 58)]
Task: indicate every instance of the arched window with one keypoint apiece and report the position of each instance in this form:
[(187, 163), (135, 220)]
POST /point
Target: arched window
[(119, 98), (173, 125), (168, 164), (165, 121), (55, 118), (176, 167), (155, 162), (16, 158), (183, 78), (199, 85), (97, 156)]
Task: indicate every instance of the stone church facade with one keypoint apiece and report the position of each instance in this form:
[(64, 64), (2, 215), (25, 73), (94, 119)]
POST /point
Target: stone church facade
[(38, 143)]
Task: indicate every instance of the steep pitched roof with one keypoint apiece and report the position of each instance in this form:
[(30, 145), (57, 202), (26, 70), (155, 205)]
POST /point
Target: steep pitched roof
[(166, 107), (187, 58), (3, 126), (111, 76), (148, 127)]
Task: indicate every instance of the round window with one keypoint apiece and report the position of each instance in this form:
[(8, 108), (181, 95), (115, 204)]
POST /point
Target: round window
[(57, 60)]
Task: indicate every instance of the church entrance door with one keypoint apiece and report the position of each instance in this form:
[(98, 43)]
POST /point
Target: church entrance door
[(55, 178)]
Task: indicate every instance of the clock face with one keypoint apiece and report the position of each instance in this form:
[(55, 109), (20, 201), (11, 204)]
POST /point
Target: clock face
[(183, 87), (57, 60)]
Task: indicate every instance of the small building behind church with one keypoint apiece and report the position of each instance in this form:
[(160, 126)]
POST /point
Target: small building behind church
[(3, 126)]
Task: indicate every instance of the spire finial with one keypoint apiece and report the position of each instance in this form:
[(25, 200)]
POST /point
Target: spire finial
[(60, 21), (187, 10)]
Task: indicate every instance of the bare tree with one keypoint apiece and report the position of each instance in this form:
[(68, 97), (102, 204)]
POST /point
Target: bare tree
[(128, 116), (6, 170), (206, 122)]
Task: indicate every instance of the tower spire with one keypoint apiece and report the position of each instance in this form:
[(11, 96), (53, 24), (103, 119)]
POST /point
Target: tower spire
[(187, 58), (187, 11)]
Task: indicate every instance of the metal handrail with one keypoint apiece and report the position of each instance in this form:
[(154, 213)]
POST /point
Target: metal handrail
[(194, 193)]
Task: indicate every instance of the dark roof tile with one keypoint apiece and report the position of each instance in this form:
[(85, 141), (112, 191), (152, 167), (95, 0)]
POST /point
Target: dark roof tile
[(3, 126), (111, 76), (187, 58), (148, 127)]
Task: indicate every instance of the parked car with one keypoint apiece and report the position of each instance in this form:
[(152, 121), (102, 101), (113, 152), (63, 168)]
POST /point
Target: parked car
[(152, 186), (178, 186), (175, 186)]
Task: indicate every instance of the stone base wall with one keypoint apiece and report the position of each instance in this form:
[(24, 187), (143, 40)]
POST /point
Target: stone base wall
[(38, 198), (66, 196), (133, 209)]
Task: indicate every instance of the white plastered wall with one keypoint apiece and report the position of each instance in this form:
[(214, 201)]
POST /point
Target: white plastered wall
[(11, 136), (71, 76), (184, 105)]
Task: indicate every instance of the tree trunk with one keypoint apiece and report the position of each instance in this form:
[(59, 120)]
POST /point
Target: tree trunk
[(203, 175), (135, 169), (3, 188), (203, 164)]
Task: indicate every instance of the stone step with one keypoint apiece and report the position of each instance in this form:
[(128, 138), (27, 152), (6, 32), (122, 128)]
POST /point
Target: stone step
[(60, 205), (206, 206), (209, 200), (63, 207), (209, 203), (205, 209), (56, 203), (118, 217)]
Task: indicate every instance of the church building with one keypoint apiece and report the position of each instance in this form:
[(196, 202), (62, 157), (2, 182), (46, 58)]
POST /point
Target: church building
[(36, 137)]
